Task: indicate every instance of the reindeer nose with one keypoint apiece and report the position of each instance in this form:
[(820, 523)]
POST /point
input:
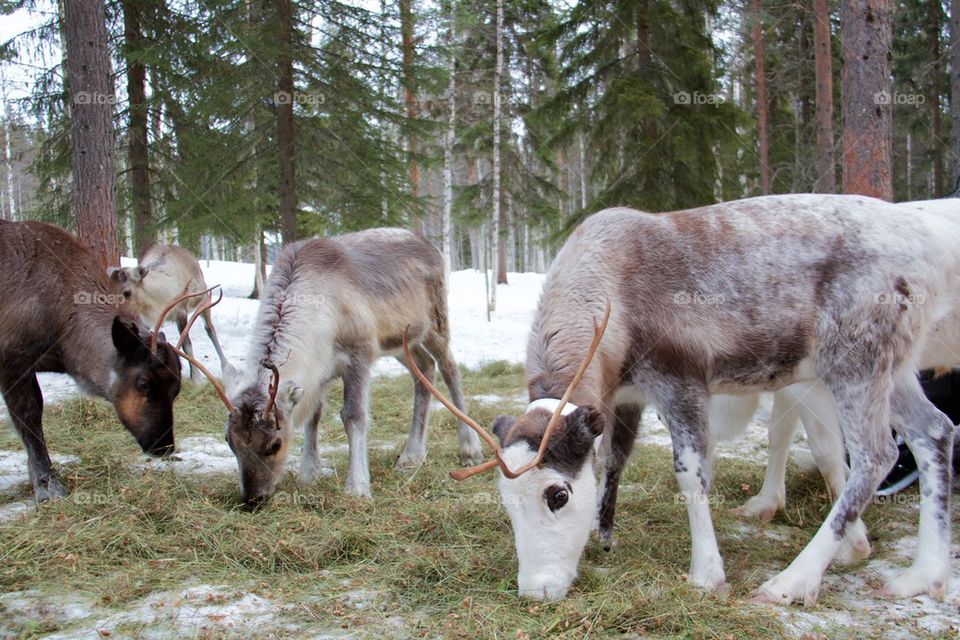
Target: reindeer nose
[(253, 503)]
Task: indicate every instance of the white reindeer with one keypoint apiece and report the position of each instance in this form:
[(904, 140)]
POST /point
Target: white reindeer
[(165, 272), (842, 291)]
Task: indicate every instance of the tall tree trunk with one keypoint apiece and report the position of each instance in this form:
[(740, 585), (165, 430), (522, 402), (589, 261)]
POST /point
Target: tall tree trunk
[(866, 97), (955, 84), (826, 160), (143, 232), (448, 141), (761, 71), (410, 97), (285, 133), (91, 123), (497, 115), (934, 26), (10, 211)]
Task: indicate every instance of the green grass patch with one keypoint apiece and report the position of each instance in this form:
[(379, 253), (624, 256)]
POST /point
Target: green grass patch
[(439, 553)]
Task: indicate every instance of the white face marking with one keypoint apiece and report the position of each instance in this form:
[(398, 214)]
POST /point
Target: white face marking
[(549, 543), (111, 379)]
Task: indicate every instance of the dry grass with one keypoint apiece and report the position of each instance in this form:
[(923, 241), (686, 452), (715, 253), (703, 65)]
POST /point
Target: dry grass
[(438, 553)]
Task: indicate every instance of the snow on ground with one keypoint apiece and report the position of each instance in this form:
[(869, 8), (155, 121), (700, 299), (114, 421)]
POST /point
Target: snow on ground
[(475, 341)]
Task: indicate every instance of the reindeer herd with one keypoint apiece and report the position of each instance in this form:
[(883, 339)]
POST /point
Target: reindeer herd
[(830, 302)]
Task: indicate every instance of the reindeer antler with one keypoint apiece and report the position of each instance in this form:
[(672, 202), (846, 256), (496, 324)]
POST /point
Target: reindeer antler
[(216, 384), (274, 386), (208, 304), (463, 474), (167, 309)]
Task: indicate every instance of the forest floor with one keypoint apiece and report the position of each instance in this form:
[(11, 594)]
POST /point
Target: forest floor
[(153, 549)]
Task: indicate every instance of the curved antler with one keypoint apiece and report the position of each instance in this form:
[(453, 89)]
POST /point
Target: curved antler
[(208, 304), (167, 309), (216, 384), (463, 474), (274, 386)]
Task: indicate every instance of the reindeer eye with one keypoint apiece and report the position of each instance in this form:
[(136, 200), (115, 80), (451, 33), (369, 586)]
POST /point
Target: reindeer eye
[(556, 496), (143, 384)]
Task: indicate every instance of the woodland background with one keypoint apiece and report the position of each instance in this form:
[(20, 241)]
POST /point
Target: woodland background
[(234, 126)]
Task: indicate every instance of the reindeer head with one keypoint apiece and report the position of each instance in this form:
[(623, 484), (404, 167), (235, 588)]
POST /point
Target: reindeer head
[(259, 433), (146, 382), (546, 482), (126, 281)]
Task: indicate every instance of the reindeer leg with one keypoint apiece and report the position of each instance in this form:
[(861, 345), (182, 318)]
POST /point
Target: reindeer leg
[(415, 451), (773, 495), (626, 420), (356, 417), (929, 434), (863, 406), (310, 468), (195, 375), (685, 411), (212, 334), (471, 452), (25, 403)]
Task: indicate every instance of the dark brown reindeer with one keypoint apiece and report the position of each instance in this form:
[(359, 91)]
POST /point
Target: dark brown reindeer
[(164, 272), (58, 313), (845, 292), (332, 306)]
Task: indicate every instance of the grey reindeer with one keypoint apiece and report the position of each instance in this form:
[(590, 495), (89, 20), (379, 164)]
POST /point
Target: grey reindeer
[(165, 271), (332, 306), (846, 292)]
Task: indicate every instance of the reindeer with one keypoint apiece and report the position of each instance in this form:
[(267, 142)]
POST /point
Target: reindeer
[(813, 407), (58, 314), (332, 306), (171, 270), (734, 298)]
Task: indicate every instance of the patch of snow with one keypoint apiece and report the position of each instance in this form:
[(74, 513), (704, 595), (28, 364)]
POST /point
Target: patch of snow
[(196, 611), (14, 473), (35, 606), (493, 398)]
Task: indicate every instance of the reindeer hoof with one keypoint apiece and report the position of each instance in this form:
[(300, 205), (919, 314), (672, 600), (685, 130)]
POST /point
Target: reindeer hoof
[(911, 583), (51, 489), (756, 508), (785, 589), (408, 461)]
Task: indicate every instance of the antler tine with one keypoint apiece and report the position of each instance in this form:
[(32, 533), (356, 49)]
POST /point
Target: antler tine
[(470, 422), (216, 384), (598, 332), (274, 386), (203, 306), (165, 311)]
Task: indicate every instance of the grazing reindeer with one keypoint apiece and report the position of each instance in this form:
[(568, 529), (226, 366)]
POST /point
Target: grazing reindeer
[(332, 306), (57, 313), (740, 297), (164, 272)]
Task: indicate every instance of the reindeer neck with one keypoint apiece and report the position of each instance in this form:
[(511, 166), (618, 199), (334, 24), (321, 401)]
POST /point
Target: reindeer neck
[(88, 352), (553, 358)]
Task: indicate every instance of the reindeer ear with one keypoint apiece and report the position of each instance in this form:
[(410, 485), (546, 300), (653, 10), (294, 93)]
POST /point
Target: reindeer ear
[(127, 339), (501, 426), (587, 421), (117, 274), (288, 396), (232, 377)]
